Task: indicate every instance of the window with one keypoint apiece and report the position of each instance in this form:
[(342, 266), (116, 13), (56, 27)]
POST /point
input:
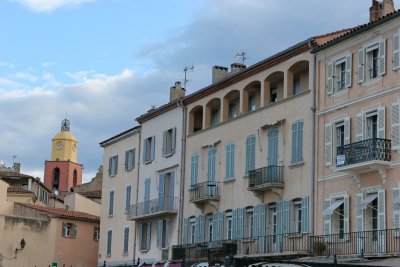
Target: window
[(232, 112), (194, 169), (210, 229), (273, 223), (214, 116), (296, 86), (144, 235), (111, 204), (336, 216), (56, 178), (128, 197), (252, 103), (130, 160), (166, 199), (69, 230), (249, 231), (250, 153), (297, 142), (113, 165), (337, 134), (96, 233), (149, 149), (372, 60), (230, 161), (109, 241), (274, 95), (75, 178), (126, 241), (339, 74), (192, 232), (372, 125), (162, 233), (229, 226), (297, 217), (169, 142)]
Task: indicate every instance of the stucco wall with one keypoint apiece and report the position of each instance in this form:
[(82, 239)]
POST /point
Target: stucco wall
[(77, 202)]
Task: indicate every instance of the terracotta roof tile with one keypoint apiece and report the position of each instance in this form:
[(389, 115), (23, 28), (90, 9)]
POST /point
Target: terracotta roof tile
[(62, 213), (94, 193), (18, 190), (9, 174)]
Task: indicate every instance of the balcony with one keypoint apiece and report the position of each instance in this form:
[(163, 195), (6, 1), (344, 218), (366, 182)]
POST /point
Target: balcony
[(367, 155), (266, 178), (204, 192), (153, 208)]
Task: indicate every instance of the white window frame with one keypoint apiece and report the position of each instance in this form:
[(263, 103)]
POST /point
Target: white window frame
[(229, 226), (130, 159), (366, 61), (192, 223), (297, 214), (69, 230), (96, 233), (339, 73), (113, 166), (169, 142)]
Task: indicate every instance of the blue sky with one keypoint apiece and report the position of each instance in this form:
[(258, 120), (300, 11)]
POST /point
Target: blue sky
[(105, 62)]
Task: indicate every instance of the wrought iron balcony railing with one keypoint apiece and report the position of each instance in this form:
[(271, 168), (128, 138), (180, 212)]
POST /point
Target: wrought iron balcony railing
[(374, 149), (265, 176), (153, 207), (204, 191)]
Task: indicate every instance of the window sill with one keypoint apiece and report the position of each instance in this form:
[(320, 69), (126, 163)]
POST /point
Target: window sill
[(124, 254), (168, 155), (110, 215), (148, 162), (229, 181), (129, 170), (371, 81), (108, 255), (340, 93), (297, 164), (144, 250)]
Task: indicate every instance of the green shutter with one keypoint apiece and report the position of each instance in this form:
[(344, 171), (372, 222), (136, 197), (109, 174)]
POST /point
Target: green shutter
[(304, 215)]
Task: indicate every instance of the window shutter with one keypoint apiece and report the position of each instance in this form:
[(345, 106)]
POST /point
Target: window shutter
[(109, 166), (327, 218), (279, 221), (173, 140), (144, 150), (126, 160), (361, 65), (396, 51), (396, 210), (255, 220), (164, 146), (211, 165), (214, 226), (395, 123), (161, 193), (159, 233), (235, 234), (133, 157), (273, 147), (126, 239), (221, 225), (111, 207), (201, 226), (359, 213), (300, 141), (304, 215), (153, 145), (128, 197), (185, 231), (197, 229), (359, 127), (346, 217), (140, 236), (330, 79), (109, 241), (148, 236), (382, 57), (348, 76), (328, 144), (171, 198), (247, 155), (294, 142), (194, 169), (241, 222), (381, 122), (167, 232), (381, 210), (347, 130), (286, 216), (261, 244), (116, 165)]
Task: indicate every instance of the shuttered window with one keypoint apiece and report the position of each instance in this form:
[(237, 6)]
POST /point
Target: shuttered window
[(111, 204), (250, 153), (297, 142), (130, 160), (372, 60), (211, 164), (113, 165), (194, 169), (169, 142), (126, 241), (128, 197), (339, 74), (149, 149), (230, 161), (109, 242)]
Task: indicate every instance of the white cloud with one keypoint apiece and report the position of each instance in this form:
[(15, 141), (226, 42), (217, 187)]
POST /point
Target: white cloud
[(26, 76), (50, 5), (48, 64)]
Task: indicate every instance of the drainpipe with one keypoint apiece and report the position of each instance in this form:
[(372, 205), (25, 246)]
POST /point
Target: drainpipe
[(313, 140), (182, 170), (137, 192)]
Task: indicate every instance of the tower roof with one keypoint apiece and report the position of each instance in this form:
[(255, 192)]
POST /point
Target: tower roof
[(65, 133)]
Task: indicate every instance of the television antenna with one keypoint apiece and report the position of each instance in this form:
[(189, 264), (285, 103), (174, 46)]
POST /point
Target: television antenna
[(185, 70), (242, 55)]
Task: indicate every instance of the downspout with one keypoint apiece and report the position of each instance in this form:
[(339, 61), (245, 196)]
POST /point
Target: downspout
[(182, 170), (313, 139), (137, 192)]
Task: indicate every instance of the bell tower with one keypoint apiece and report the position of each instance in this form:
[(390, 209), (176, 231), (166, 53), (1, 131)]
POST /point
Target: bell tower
[(63, 170)]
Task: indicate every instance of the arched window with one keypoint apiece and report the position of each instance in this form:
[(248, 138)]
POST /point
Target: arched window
[(75, 181), (56, 178)]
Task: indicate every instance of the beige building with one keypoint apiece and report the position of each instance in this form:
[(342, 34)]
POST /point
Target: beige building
[(358, 137), (119, 189)]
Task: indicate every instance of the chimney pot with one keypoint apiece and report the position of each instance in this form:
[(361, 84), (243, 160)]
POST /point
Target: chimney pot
[(176, 92), (17, 167), (219, 73)]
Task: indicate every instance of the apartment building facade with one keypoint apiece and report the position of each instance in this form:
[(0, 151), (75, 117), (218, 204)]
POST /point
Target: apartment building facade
[(119, 192), (358, 139)]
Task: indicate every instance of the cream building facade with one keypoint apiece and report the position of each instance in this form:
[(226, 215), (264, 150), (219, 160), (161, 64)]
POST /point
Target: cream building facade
[(119, 191)]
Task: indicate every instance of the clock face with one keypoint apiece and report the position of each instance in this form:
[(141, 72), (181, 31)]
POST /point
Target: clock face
[(59, 145), (73, 147)]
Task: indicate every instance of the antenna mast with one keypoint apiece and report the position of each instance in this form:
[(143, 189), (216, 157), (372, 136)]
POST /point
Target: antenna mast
[(185, 70), (242, 55)]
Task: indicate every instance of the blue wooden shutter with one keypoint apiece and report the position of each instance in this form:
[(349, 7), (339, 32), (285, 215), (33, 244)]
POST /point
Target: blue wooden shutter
[(111, 206), (167, 232), (221, 225), (126, 160), (294, 142), (128, 197), (109, 242), (250, 153), (144, 150), (241, 222), (159, 233), (235, 234), (211, 164), (153, 145), (279, 221), (230, 160), (173, 140), (109, 165), (171, 197), (273, 147), (148, 236), (140, 236), (161, 193), (286, 216), (300, 141), (214, 226), (201, 226), (304, 215), (185, 231), (164, 143), (255, 220), (261, 244), (126, 240), (197, 229), (147, 196), (194, 169)]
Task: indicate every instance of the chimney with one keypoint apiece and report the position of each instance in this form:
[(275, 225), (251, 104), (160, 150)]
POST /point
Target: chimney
[(235, 67), (17, 167), (380, 9), (176, 92), (219, 73)]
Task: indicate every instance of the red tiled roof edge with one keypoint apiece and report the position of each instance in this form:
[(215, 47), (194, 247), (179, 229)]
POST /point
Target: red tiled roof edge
[(18, 190)]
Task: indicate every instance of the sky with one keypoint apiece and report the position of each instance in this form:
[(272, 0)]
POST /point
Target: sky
[(103, 63)]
